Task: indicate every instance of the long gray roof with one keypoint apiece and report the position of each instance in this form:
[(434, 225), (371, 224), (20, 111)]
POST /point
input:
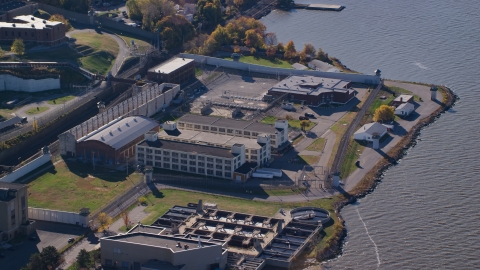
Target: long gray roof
[(120, 132), (372, 128), (310, 85)]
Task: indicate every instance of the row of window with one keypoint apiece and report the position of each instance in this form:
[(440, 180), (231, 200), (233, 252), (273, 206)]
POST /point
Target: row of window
[(142, 150), (19, 34), (185, 168)]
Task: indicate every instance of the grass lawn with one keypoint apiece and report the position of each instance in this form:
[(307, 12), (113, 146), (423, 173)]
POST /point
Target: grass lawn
[(270, 120), (72, 186), (99, 51), (317, 145), (37, 110), (60, 100), (263, 61), (141, 43), (351, 156), (198, 72)]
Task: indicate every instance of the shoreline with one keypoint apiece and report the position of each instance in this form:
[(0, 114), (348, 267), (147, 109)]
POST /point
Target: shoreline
[(370, 181)]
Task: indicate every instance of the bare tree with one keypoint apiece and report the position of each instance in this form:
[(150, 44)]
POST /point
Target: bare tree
[(125, 218), (271, 39)]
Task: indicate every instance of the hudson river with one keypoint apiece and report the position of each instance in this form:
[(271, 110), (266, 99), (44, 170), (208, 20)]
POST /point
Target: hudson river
[(425, 213)]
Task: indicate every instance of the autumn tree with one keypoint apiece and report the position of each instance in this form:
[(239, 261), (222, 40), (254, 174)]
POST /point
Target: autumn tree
[(2, 53), (303, 57), (209, 12), (175, 31), (238, 3), (104, 221), (125, 218), (290, 50), (280, 47), (154, 10), (253, 39), (18, 47), (60, 18), (253, 51), (308, 49), (271, 51), (384, 113)]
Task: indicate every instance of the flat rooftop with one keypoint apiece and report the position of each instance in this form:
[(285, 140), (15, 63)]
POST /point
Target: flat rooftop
[(189, 148), (171, 65), (29, 22), (209, 138), (228, 123), (310, 85), (161, 241)]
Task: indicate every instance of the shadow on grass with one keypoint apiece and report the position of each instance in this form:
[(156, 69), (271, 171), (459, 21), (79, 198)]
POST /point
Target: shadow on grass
[(104, 174)]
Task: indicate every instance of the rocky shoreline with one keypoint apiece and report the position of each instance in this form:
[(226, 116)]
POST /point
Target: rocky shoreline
[(370, 181)]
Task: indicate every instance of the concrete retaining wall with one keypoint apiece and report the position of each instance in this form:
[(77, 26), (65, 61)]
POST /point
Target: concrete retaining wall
[(57, 216), (358, 78), (12, 83), (9, 178)]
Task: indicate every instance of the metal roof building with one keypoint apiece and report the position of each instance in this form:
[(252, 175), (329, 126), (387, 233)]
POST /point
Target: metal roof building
[(113, 142), (176, 70)]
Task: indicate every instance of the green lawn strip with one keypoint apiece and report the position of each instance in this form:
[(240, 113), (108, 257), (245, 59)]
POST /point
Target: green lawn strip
[(317, 145), (263, 61), (100, 62), (74, 186), (37, 110), (269, 120), (354, 150), (60, 100), (60, 54)]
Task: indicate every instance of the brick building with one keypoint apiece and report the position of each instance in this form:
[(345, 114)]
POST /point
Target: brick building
[(30, 28), (114, 142), (314, 90), (176, 70)]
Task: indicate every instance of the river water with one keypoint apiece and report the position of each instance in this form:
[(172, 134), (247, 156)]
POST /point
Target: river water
[(424, 214)]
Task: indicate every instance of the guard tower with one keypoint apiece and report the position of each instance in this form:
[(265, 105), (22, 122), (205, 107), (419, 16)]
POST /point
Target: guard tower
[(376, 141), (433, 92), (378, 72)]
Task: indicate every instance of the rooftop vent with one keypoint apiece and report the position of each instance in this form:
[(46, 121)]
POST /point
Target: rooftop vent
[(33, 25), (33, 18), (111, 134), (13, 24), (44, 21)]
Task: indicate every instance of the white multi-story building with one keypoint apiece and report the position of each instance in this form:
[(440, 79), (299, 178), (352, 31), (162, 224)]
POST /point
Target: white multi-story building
[(278, 132), (227, 161)]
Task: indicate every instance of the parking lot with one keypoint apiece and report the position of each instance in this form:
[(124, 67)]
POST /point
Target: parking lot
[(48, 234)]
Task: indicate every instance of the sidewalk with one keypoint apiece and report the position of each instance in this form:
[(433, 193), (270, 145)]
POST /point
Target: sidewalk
[(137, 214)]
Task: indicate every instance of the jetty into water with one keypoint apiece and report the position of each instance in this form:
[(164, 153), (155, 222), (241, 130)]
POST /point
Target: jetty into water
[(320, 7)]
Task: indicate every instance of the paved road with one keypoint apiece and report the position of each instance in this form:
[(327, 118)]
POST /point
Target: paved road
[(137, 214), (89, 243)]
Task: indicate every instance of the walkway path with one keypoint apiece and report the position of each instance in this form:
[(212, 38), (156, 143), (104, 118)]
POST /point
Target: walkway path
[(137, 214)]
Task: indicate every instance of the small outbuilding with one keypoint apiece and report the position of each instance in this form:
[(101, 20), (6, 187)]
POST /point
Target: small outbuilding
[(402, 99), (176, 70), (368, 131), (404, 109)]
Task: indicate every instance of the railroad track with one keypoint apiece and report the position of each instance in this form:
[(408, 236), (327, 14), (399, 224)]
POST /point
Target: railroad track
[(342, 147)]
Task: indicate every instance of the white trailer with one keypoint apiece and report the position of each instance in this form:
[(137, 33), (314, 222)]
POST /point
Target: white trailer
[(275, 172), (262, 175)]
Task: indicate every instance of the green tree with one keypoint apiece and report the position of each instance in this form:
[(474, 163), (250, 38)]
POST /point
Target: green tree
[(321, 55), (84, 259), (209, 12), (50, 257), (304, 124), (18, 47), (183, 31), (384, 113), (134, 10), (253, 39)]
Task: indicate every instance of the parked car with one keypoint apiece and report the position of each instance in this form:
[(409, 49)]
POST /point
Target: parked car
[(311, 115), (303, 118), (70, 240)]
